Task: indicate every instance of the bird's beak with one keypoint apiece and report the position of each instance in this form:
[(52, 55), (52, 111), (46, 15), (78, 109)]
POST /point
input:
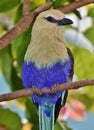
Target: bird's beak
[(64, 21)]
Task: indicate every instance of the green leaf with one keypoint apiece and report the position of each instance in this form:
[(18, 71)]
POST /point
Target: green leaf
[(19, 48), (90, 92), (57, 126), (8, 70), (66, 125), (16, 81), (10, 120), (26, 37), (18, 14), (89, 33), (31, 114), (71, 1), (6, 63), (58, 3), (49, 0), (2, 31), (83, 68), (62, 125), (91, 12), (77, 13), (32, 6), (6, 5)]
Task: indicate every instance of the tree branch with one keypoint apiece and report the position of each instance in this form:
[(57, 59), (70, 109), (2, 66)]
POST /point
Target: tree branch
[(30, 91), (75, 5), (29, 18), (26, 7)]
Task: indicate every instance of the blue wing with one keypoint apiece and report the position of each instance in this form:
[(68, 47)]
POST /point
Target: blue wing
[(62, 99)]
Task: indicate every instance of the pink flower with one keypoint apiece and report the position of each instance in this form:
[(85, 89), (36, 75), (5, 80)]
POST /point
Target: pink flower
[(75, 110)]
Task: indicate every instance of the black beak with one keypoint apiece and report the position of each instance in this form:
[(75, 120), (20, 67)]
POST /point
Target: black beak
[(64, 21)]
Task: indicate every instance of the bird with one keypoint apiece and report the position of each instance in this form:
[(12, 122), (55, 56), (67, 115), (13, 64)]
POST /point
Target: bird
[(48, 62)]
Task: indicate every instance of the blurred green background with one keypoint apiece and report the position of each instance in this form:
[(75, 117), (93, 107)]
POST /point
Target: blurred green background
[(21, 114)]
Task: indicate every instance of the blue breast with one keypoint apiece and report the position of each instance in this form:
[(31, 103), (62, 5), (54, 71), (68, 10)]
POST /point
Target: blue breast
[(58, 73), (45, 77)]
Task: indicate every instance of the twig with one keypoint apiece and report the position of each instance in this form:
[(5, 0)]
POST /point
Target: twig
[(26, 8), (30, 91), (74, 5), (26, 21)]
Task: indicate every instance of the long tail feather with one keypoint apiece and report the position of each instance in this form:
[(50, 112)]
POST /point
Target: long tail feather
[(46, 117)]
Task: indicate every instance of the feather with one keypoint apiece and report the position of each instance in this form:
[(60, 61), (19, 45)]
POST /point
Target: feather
[(46, 120)]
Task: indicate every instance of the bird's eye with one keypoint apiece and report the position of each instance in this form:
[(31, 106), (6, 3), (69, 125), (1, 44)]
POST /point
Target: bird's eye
[(50, 19)]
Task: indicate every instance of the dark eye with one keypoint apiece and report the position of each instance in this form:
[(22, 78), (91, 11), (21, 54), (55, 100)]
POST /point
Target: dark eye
[(50, 19)]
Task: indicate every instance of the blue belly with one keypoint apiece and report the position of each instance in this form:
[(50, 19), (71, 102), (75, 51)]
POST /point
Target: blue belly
[(45, 77)]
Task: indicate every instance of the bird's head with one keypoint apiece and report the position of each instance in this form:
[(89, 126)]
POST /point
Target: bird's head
[(52, 18)]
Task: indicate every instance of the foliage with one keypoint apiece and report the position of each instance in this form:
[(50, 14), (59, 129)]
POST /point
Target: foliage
[(33, 117), (10, 120), (11, 60), (6, 5)]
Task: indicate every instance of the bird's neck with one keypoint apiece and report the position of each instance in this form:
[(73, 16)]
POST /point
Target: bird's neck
[(46, 49)]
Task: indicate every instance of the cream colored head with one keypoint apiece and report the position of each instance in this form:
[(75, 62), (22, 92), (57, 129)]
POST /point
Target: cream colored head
[(42, 18), (47, 43), (54, 13), (49, 23)]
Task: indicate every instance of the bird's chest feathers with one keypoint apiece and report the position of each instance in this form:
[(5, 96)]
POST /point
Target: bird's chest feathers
[(46, 51)]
